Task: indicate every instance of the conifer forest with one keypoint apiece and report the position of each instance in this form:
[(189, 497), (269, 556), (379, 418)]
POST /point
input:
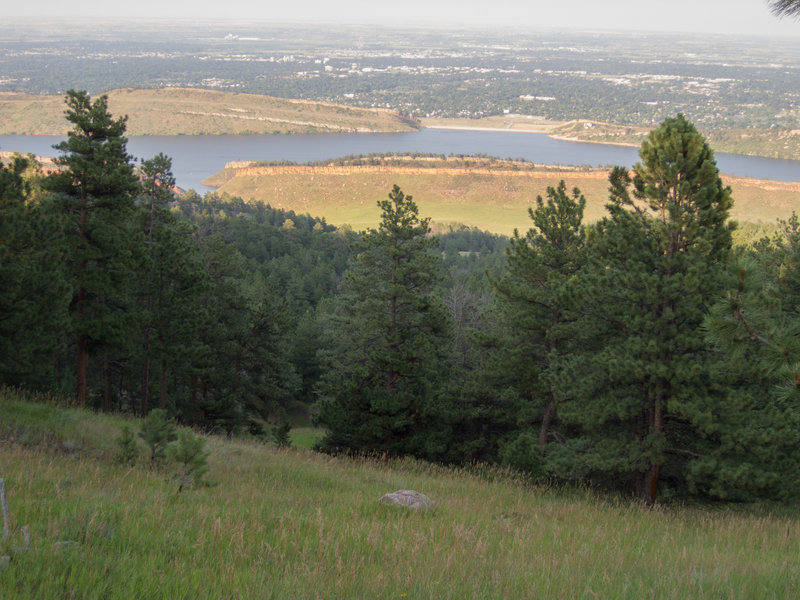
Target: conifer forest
[(643, 352)]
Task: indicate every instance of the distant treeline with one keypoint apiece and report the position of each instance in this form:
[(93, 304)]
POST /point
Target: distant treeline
[(428, 160)]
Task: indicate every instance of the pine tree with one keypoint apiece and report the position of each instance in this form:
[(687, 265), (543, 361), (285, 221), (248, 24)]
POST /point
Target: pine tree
[(189, 451), (535, 301), (387, 340), (157, 191), (177, 284), (97, 188), (643, 402), (33, 292), (157, 431), (755, 327)]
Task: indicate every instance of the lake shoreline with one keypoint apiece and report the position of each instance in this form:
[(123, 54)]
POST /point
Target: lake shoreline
[(195, 158)]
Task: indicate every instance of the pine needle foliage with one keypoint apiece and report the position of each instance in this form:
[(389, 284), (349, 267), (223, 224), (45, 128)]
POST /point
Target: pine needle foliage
[(189, 451), (386, 340), (645, 405), (785, 8), (157, 432), (127, 450)]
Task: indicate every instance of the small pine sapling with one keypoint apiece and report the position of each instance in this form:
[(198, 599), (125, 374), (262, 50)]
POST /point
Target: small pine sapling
[(157, 432), (127, 450), (280, 433), (190, 452)]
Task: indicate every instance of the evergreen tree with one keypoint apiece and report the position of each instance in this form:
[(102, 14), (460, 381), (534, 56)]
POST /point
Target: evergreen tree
[(97, 189), (536, 306), (644, 403), (33, 292), (127, 450), (387, 341), (177, 287), (756, 329), (157, 191), (157, 431), (189, 451), (222, 319)]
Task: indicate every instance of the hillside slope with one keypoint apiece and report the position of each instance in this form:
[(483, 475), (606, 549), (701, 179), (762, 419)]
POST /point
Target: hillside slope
[(771, 143), (179, 111), (483, 193), (289, 524)]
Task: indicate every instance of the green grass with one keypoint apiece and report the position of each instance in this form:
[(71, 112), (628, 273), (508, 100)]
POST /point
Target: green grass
[(294, 524), (305, 437)]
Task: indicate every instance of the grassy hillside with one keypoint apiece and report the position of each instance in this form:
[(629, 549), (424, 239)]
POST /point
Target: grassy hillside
[(772, 143), (511, 122), (174, 111), (293, 524), (494, 197)]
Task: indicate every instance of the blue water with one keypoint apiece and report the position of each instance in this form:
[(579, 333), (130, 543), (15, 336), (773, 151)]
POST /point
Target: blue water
[(196, 157)]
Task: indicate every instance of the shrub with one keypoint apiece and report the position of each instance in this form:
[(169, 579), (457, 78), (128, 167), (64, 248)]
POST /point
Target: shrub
[(127, 449), (190, 452), (157, 432)]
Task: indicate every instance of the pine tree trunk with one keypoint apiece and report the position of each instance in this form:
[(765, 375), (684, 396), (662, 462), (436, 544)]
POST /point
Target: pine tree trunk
[(650, 483), (106, 382), (552, 402), (146, 385), (149, 310), (390, 374), (82, 350), (547, 420), (82, 366), (162, 400)]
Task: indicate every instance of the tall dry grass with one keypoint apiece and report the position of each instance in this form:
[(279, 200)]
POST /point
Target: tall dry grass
[(293, 524)]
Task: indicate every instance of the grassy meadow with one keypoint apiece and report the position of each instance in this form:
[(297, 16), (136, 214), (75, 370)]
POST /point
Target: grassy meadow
[(178, 111), (494, 201), (295, 524)]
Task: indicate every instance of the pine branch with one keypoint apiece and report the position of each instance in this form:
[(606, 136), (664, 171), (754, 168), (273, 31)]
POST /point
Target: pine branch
[(785, 8)]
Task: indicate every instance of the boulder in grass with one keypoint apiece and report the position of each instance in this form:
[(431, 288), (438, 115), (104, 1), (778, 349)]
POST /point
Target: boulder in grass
[(409, 499)]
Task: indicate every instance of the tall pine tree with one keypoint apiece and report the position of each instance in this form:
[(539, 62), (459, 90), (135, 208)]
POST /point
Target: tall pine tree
[(157, 192), (97, 187), (644, 403), (534, 296), (755, 327), (387, 340), (33, 292)]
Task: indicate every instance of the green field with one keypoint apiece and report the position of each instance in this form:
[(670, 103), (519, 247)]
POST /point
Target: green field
[(294, 524), (494, 201), (177, 111)]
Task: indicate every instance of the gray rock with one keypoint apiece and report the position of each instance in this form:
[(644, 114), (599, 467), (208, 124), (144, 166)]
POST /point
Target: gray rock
[(409, 499)]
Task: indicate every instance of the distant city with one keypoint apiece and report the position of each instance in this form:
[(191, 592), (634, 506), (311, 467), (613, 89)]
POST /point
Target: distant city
[(718, 82)]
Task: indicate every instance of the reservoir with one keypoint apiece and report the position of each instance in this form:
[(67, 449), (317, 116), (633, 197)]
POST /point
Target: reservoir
[(196, 157)]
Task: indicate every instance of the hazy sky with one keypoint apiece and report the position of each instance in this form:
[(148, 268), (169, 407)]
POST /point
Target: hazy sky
[(715, 16)]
